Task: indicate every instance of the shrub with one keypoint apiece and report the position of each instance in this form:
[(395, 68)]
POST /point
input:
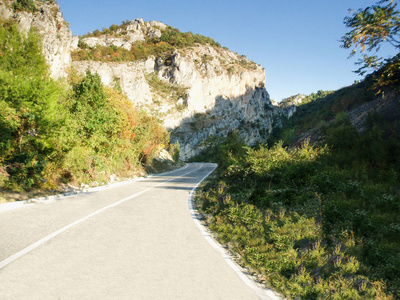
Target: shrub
[(48, 136), (176, 149), (165, 90), (30, 117), (25, 5), (171, 39), (304, 223)]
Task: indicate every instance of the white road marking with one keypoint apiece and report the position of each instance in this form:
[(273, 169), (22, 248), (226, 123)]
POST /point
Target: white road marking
[(28, 249), (264, 294)]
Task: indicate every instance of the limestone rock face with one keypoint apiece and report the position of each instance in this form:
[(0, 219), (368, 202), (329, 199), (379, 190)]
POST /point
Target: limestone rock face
[(5, 12), (200, 92), (158, 24), (289, 105), (223, 92), (50, 24), (129, 75), (124, 42), (136, 31)]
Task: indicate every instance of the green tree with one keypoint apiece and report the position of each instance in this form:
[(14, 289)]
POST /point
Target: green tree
[(94, 120), (370, 28), (30, 117), (176, 151)]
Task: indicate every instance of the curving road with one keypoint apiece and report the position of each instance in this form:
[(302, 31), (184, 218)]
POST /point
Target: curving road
[(133, 241)]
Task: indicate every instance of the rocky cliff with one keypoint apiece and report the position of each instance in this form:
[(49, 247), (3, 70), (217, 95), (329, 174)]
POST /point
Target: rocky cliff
[(199, 91), (48, 21), (221, 92)]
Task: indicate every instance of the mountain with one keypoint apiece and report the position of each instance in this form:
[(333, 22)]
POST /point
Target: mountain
[(319, 204), (197, 88), (46, 18)]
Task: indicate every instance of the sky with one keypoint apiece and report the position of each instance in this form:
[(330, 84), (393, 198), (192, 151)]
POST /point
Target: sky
[(296, 41)]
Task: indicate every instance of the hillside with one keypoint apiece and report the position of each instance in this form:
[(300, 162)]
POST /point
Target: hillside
[(174, 76), (307, 193), (63, 134), (148, 71), (196, 87), (315, 212)]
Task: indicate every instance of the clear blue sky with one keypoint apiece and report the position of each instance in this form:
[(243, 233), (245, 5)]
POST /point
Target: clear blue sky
[(296, 41)]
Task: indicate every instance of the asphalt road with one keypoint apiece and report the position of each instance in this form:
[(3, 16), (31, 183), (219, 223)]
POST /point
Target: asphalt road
[(134, 241)]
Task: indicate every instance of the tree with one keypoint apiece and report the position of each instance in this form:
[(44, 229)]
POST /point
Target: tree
[(30, 116), (370, 28), (94, 119)]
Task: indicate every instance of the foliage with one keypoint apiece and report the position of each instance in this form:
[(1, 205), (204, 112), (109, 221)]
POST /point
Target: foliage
[(169, 35), (175, 150), (95, 121), (29, 117), (314, 222), (371, 27), (25, 5), (106, 125), (171, 39), (51, 134), (178, 39), (320, 108), (165, 90), (224, 152), (388, 77)]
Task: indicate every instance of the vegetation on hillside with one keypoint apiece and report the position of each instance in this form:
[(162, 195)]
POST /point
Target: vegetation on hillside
[(52, 134), (167, 93), (28, 5), (171, 39), (166, 90), (318, 221), (320, 108)]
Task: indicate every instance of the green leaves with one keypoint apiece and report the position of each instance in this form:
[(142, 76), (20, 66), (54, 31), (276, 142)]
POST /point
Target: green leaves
[(312, 221), (370, 28), (30, 117), (171, 39), (95, 120), (25, 5), (48, 136)]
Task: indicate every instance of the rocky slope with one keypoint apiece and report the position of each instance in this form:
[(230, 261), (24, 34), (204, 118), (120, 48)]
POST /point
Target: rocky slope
[(198, 91), (289, 105), (50, 24), (222, 92)]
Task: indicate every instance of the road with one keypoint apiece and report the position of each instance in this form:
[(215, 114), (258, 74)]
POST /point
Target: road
[(133, 241)]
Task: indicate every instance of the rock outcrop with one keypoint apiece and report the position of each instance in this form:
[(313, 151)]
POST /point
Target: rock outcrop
[(198, 92), (223, 92), (136, 31), (289, 105), (50, 24)]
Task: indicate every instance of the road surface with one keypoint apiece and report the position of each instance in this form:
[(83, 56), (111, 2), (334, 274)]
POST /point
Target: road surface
[(133, 241)]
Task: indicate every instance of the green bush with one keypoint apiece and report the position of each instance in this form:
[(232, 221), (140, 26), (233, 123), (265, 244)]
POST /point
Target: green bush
[(25, 5), (306, 219), (30, 117), (176, 150), (50, 134), (171, 39)]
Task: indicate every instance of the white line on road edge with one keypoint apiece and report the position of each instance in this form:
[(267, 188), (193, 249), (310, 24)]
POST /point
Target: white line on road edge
[(22, 203), (264, 294), (28, 249)]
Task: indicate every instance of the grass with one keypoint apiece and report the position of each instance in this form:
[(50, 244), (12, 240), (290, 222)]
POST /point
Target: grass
[(316, 222), (166, 91)]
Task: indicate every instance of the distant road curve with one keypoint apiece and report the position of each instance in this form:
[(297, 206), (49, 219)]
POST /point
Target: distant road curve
[(134, 241)]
